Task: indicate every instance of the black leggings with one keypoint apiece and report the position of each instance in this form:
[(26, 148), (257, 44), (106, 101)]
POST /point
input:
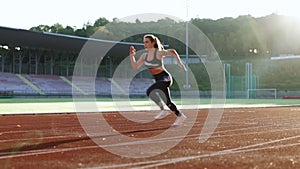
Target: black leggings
[(160, 89)]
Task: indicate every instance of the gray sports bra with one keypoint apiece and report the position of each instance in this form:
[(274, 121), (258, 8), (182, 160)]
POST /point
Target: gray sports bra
[(154, 63)]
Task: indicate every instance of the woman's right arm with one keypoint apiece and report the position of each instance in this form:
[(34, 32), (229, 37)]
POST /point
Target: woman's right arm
[(136, 64)]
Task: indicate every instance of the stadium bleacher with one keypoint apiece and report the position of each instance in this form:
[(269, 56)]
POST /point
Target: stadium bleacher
[(135, 86), (92, 85), (139, 85), (10, 82), (50, 84), (56, 85), (102, 86)]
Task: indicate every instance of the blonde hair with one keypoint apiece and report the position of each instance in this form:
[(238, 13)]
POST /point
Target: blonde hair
[(157, 43)]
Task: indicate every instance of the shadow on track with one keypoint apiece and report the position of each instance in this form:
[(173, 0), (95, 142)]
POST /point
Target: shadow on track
[(29, 145)]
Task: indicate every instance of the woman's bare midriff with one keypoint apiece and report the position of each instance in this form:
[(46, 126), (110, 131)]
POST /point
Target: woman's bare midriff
[(156, 71)]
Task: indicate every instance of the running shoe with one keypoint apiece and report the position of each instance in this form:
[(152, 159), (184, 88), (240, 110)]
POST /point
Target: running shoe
[(162, 114), (179, 120)]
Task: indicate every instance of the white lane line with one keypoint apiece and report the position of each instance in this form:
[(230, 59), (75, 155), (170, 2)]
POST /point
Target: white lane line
[(154, 163), (252, 133), (28, 153), (155, 140), (37, 152), (226, 152), (68, 136), (126, 164), (191, 136), (165, 161), (157, 163)]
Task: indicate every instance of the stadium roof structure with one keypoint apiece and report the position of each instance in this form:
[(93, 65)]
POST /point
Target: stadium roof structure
[(52, 41)]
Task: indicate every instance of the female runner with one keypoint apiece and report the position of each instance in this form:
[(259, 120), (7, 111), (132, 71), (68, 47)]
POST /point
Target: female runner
[(153, 60)]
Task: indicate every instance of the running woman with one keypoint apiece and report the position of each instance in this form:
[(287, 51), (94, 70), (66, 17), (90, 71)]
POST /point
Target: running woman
[(153, 60)]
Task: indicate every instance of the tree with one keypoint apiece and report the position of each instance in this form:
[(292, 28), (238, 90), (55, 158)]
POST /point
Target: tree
[(41, 28), (137, 21), (232, 37), (101, 22), (80, 32), (68, 30), (116, 20), (56, 28)]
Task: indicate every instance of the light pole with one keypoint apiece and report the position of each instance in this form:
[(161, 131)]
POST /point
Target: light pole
[(187, 85)]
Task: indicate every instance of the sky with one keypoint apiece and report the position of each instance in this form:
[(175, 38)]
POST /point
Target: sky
[(25, 14)]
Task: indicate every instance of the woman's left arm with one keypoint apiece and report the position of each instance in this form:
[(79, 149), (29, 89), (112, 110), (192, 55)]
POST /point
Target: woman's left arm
[(174, 53)]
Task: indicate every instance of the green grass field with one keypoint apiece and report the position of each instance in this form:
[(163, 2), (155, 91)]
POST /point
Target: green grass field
[(62, 105), (177, 100)]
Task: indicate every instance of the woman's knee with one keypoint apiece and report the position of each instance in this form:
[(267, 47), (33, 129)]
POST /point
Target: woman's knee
[(150, 90)]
